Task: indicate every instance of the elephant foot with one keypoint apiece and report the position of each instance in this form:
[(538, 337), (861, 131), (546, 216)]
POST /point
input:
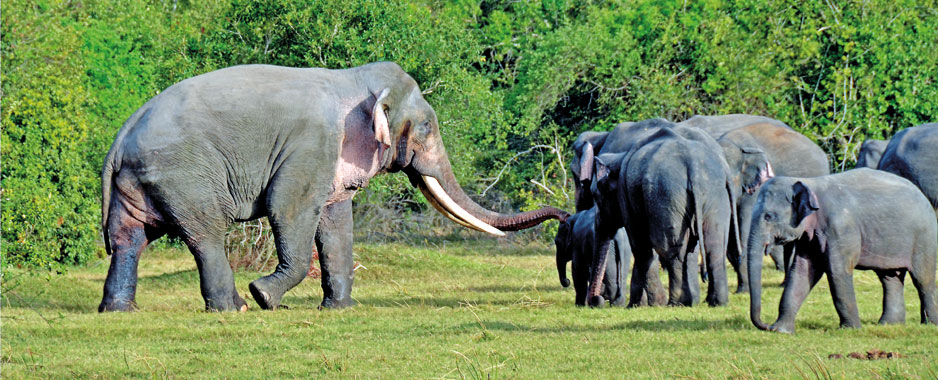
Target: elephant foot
[(117, 305), (717, 302), (266, 299), (619, 301), (332, 303), (891, 321), (233, 303), (742, 289), (850, 325), (597, 302), (784, 328)]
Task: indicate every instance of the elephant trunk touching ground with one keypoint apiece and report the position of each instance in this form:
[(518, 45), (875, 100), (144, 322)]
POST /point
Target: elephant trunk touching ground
[(755, 251)]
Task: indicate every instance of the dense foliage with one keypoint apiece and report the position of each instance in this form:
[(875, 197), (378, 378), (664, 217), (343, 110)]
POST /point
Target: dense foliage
[(505, 78)]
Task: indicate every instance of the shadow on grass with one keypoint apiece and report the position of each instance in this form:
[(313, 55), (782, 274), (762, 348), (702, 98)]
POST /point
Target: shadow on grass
[(514, 289), (187, 276), (727, 324)]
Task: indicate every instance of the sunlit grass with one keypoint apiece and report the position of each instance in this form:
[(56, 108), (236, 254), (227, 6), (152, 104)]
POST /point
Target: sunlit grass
[(461, 310)]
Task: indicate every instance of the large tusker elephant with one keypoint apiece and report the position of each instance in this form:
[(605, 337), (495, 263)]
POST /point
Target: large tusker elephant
[(859, 219), (291, 144), (670, 192), (576, 242), (870, 152), (913, 154), (756, 153)]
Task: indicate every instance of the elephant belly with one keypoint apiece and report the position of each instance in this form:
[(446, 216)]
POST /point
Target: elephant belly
[(879, 261)]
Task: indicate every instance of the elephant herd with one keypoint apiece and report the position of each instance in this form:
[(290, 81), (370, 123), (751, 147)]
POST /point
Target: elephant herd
[(740, 187), (296, 144)]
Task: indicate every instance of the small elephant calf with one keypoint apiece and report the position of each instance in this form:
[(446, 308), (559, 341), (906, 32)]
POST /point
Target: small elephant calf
[(860, 219), (576, 241)]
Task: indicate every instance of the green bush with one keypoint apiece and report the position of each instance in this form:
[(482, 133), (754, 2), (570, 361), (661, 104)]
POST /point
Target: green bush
[(513, 83)]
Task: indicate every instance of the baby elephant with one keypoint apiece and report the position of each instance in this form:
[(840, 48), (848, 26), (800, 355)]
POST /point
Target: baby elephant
[(859, 219), (575, 241)]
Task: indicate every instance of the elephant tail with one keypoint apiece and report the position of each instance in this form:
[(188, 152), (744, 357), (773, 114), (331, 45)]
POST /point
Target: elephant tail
[(107, 180), (698, 223), (111, 166), (734, 218)]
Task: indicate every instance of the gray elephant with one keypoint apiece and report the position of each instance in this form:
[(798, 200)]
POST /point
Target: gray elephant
[(291, 144), (670, 192), (590, 144), (718, 125), (576, 242), (858, 219), (913, 154), (756, 153), (870, 152)]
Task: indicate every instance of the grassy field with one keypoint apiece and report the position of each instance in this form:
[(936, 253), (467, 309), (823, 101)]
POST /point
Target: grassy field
[(477, 310)]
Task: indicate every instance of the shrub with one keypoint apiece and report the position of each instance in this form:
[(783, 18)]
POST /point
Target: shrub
[(513, 83)]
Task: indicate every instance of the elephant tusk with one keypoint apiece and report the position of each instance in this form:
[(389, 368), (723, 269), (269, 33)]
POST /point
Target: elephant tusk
[(454, 211), (436, 204)]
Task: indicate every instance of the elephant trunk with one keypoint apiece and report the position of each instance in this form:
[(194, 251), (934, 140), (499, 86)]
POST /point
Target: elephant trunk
[(448, 197), (598, 272), (754, 252), (562, 269)]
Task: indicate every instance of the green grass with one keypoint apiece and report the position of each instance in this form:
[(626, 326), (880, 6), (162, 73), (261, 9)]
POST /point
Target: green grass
[(476, 310)]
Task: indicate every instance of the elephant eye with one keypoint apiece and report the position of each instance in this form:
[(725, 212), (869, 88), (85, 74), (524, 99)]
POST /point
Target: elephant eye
[(423, 128), (769, 216)]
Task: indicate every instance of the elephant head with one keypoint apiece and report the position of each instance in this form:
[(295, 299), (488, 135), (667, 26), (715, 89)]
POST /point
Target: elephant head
[(870, 153), (786, 209), (415, 147), (749, 165), (586, 146), (564, 244), (611, 215)]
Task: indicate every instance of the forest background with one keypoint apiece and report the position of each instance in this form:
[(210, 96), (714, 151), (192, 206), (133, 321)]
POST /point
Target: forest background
[(513, 83)]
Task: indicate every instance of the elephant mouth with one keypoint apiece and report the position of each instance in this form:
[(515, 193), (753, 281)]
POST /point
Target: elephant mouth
[(442, 202)]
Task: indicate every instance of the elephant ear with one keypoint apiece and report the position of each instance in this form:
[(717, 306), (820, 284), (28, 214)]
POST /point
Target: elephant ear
[(586, 163), (380, 115), (756, 169), (805, 204)]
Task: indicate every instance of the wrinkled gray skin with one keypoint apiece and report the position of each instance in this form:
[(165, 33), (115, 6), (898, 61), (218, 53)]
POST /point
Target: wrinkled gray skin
[(576, 242), (669, 192), (716, 126), (756, 153), (913, 154), (870, 153), (291, 144), (859, 219), (625, 136), (588, 145)]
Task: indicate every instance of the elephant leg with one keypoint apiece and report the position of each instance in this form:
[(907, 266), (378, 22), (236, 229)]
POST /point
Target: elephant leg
[(777, 257), (683, 288), (624, 260), (804, 274), (840, 279), (788, 253), (714, 245), (294, 208), (893, 300), (675, 268), (744, 211), (704, 272), (580, 282), (128, 238), (216, 280), (644, 272), (654, 289), (924, 281), (334, 242)]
